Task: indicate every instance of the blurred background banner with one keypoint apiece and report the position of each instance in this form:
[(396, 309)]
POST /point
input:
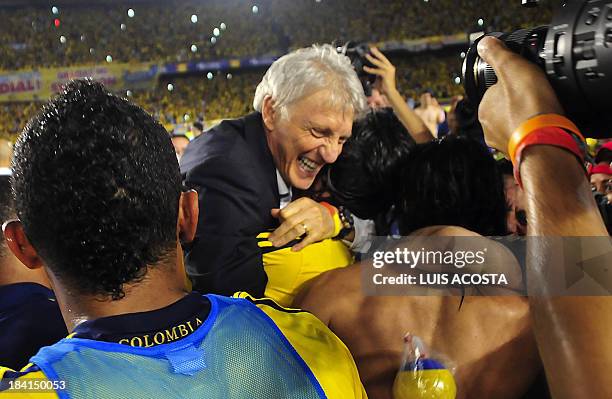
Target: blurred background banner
[(40, 85)]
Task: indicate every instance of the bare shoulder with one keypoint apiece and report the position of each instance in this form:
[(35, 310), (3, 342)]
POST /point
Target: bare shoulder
[(331, 292)]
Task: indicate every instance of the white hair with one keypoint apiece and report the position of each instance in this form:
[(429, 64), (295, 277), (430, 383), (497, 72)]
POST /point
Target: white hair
[(303, 72)]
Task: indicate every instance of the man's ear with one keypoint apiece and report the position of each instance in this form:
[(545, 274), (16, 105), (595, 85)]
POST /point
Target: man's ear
[(188, 216), (20, 245), (268, 113)]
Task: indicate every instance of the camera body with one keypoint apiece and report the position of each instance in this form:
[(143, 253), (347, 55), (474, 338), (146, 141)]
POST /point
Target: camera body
[(575, 52), (356, 51)]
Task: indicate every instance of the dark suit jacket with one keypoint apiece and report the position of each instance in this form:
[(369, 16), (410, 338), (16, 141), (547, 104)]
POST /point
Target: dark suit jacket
[(233, 170)]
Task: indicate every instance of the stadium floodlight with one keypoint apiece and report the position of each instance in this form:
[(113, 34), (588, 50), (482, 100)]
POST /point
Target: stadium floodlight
[(109, 58), (62, 39), (228, 76), (216, 32), (91, 50), (213, 40), (255, 9), (209, 75), (55, 10), (130, 13), (462, 55), (457, 80), (222, 26), (123, 26), (186, 117), (128, 93), (170, 87), (194, 48), (480, 22), (194, 18)]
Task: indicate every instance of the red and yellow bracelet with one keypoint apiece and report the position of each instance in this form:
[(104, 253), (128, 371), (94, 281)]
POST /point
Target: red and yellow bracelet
[(547, 129), (333, 211)]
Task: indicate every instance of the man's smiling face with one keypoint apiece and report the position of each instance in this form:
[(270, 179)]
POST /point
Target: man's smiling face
[(311, 136)]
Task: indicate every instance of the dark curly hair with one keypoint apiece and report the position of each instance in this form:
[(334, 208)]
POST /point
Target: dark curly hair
[(96, 186), (364, 176), (453, 181)]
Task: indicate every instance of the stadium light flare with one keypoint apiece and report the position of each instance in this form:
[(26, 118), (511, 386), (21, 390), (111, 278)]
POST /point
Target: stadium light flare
[(170, 87), (186, 117), (55, 10), (194, 18), (462, 55), (128, 93), (228, 76), (209, 75), (194, 48), (213, 40), (222, 26), (216, 32), (109, 58), (457, 80), (255, 9), (130, 13), (123, 26), (62, 39), (91, 50), (480, 22)]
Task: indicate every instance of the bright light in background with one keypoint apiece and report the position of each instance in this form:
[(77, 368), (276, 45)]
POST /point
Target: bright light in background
[(480, 21), (255, 9), (209, 75), (170, 87), (194, 48), (216, 32), (56, 22), (82, 38), (194, 18), (55, 10), (109, 58), (62, 39), (213, 40), (128, 93), (123, 26), (457, 80), (222, 26), (462, 55), (91, 50), (228, 76), (130, 13)]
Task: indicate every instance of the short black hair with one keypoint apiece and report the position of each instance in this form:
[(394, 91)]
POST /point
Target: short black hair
[(364, 175), (97, 186), (453, 181), (6, 207), (198, 125)]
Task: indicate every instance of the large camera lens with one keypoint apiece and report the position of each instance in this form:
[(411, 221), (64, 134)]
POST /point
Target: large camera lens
[(575, 51)]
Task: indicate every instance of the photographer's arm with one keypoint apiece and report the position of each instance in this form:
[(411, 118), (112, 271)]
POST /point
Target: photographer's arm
[(411, 121), (573, 334)]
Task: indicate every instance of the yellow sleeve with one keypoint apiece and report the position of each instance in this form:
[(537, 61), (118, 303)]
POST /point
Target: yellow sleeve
[(289, 272), (7, 375), (324, 353)]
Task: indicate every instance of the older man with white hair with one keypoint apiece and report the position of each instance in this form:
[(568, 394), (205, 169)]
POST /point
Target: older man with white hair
[(246, 169)]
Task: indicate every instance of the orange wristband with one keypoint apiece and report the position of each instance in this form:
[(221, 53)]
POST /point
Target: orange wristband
[(552, 136), (330, 208), (535, 123)]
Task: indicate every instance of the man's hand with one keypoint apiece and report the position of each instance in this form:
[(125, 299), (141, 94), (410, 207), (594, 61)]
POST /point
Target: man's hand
[(521, 92), (384, 69), (302, 217)]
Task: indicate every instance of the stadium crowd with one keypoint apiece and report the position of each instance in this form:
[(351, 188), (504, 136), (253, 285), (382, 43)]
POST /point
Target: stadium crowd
[(164, 32)]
